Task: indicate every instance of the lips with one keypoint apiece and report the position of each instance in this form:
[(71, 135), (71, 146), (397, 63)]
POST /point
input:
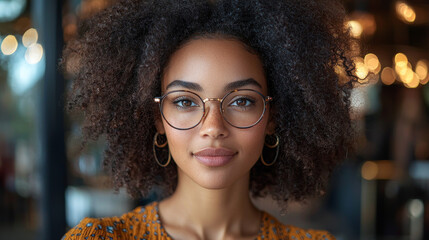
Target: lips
[(214, 157)]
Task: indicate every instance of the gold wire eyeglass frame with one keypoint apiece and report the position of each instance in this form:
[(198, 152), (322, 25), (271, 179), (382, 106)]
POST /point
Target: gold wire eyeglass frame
[(266, 99)]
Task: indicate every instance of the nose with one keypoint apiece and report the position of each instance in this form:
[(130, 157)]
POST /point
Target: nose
[(213, 124)]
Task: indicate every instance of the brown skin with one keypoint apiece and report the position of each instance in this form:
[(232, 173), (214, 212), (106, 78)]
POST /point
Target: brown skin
[(213, 202), (118, 56)]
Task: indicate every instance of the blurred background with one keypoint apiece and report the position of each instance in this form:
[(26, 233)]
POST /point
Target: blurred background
[(48, 182)]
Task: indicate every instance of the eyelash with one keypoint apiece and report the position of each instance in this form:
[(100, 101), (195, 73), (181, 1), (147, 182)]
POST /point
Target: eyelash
[(183, 99)]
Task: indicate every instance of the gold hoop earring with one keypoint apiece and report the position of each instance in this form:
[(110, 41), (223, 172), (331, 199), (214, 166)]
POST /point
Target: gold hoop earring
[(275, 145), (155, 143)]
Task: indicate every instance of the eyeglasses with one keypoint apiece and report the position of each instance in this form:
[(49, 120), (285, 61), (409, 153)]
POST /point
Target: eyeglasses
[(242, 108)]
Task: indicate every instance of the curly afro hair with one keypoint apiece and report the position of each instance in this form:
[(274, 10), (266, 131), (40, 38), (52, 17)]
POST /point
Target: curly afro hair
[(119, 55)]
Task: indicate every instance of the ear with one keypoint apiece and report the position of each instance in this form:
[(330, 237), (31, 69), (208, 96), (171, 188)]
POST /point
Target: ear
[(271, 127), (159, 126)]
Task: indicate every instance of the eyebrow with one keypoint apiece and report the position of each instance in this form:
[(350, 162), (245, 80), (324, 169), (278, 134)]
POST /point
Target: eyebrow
[(229, 87), (188, 85), (242, 83)]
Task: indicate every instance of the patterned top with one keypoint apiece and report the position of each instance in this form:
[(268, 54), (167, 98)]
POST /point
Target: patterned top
[(143, 223)]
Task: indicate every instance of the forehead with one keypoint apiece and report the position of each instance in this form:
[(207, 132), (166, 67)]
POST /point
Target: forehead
[(214, 63)]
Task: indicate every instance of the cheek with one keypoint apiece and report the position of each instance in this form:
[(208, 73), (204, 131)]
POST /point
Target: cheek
[(252, 141), (178, 142)]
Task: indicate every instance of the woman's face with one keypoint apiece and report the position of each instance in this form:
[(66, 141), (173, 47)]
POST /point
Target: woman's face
[(214, 154)]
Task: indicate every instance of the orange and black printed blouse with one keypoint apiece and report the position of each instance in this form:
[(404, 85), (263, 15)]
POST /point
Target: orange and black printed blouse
[(143, 223)]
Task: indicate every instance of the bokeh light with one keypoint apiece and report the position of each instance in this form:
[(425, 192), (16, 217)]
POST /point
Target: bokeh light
[(22, 75), (361, 69), (366, 20), (355, 28), (372, 63), (30, 37), (34, 53), (369, 170), (401, 70), (388, 76), (414, 81), (424, 81), (408, 76), (405, 12), (401, 59), (422, 69), (416, 208), (404, 70), (9, 45)]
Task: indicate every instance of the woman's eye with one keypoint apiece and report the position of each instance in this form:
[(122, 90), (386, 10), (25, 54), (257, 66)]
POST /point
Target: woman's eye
[(242, 102), (185, 103)]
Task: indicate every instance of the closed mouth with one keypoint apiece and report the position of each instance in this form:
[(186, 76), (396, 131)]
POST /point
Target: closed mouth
[(214, 157)]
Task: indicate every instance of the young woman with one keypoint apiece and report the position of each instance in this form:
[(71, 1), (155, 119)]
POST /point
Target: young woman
[(211, 101)]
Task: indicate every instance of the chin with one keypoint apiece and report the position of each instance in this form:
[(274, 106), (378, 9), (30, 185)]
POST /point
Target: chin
[(214, 178), (215, 181)]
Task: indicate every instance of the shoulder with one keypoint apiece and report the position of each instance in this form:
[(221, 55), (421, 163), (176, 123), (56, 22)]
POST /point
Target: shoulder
[(277, 230), (136, 222)]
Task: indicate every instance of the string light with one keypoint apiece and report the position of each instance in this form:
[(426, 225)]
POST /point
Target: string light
[(402, 70)]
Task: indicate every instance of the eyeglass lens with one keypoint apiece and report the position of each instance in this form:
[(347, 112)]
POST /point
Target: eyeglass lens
[(242, 108)]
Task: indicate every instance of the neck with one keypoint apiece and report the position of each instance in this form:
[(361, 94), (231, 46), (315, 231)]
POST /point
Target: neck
[(212, 213)]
